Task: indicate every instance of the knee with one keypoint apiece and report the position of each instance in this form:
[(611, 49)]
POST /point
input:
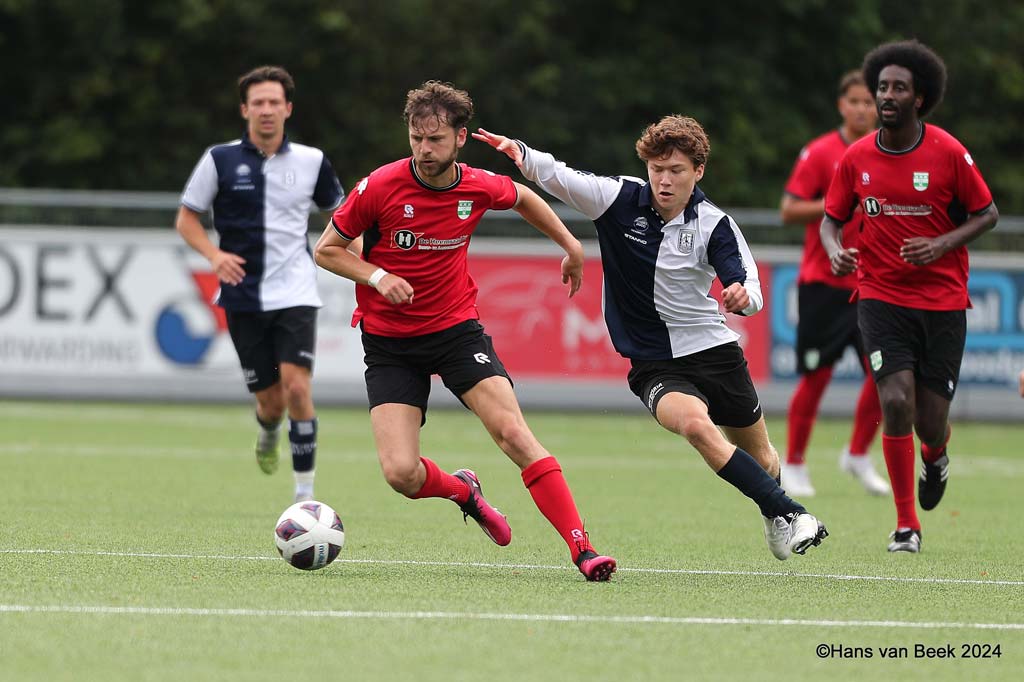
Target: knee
[(697, 430), (402, 478), (898, 406), (297, 392)]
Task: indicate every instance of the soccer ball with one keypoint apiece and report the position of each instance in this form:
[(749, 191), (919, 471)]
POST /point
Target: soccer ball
[(309, 535)]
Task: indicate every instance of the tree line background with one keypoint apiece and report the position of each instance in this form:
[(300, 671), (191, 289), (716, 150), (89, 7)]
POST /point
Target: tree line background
[(117, 94)]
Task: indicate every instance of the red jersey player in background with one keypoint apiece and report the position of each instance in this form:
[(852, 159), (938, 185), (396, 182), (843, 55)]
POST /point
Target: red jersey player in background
[(923, 200), (827, 321), (417, 309)]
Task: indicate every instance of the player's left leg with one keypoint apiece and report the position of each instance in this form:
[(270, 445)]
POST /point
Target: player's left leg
[(494, 402), (296, 383)]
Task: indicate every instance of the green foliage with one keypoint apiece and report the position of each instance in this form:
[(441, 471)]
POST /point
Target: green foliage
[(113, 94)]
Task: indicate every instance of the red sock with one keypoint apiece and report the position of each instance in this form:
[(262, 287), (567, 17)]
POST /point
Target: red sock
[(929, 454), (441, 484), (803, 409), (551, 494), (899, 460), (866, 419)]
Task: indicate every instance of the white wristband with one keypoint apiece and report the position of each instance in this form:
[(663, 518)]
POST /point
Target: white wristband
[(376, 277)]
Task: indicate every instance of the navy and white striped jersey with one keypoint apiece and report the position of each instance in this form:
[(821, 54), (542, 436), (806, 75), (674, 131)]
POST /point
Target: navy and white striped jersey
[(261, 209), (657, 275)]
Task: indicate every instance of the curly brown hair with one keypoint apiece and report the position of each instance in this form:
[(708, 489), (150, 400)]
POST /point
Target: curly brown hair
[(442, 101), (674, 132)]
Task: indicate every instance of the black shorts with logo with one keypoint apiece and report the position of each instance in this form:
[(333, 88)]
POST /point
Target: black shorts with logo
[(929, 342), (718, 376), (826, 326), (398, 369), (264, 340)]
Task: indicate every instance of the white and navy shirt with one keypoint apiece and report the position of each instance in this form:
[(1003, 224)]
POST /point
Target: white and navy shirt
[(657, 274), (261, 207)]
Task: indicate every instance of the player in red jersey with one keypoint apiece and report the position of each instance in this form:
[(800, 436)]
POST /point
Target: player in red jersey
[(827, 322), (417, 308), (923, 200)]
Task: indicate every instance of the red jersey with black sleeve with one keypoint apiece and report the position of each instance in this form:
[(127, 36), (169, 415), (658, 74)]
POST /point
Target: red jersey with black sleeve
[(420, 233), (809, 181), (925, 191)]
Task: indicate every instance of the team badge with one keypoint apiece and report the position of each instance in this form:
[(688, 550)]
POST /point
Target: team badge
[(465, 208), (686, 241), (289, 177), (876, 360), (872, 206), (920, 181)]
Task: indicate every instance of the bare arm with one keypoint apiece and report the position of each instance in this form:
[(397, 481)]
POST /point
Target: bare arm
[(226, 265), (843, 261), (794, 210), (925, 250), (538, 213), (336, 254)]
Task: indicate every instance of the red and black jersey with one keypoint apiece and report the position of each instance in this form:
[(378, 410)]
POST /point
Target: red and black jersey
[(809, 180), (420, 233), (925, 191)]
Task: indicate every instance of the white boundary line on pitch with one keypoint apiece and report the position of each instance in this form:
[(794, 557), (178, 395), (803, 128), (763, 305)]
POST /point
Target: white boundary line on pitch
[(532, 617), (475, 564)]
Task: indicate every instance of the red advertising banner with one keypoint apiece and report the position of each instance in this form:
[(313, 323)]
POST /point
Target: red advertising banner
[(541, 333)]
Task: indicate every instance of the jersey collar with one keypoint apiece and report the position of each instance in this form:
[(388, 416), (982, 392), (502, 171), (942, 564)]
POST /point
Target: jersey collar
[(248, 144), (426, 185)]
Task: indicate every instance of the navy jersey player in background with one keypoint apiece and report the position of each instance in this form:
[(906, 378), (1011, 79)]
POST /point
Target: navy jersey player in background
[(261, 189), (662, 244), (417, 310)]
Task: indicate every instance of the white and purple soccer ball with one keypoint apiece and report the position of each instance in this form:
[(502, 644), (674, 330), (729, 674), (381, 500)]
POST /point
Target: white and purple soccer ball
[(309, 535)]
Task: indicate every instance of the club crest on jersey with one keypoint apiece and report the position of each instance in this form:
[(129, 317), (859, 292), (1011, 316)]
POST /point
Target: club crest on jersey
[(872, 206), (289, 177), (920, 181), (686, 241), (404, 239), (639, 225), (465, 208)]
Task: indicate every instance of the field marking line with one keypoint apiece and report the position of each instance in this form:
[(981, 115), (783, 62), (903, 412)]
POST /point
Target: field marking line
[(532, 617), (545, 567)]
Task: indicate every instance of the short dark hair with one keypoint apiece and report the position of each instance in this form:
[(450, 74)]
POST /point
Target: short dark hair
[(928, 69), (442, 101), (674, 132), (262, 74), (851, 79)]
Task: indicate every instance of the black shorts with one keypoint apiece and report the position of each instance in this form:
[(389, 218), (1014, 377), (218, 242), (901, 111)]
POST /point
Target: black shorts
[(718, 376), (398, 369), (264, 340), (929, 342), (826, 326)]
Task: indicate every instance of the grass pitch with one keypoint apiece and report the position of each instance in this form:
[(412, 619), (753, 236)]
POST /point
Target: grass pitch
[(136, 543)]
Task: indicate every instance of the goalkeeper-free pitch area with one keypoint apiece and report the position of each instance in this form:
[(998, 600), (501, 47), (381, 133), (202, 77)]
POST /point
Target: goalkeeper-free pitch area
[(136, 542)]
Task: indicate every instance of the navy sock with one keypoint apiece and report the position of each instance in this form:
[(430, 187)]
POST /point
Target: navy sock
[(267, 426), (746, 475), (302, 435)]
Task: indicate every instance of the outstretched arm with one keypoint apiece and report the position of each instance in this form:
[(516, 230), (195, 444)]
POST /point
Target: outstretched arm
[(589, 194), (537, 212)]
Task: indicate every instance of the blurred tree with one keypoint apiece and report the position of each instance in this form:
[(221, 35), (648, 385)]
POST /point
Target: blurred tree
[(113, 94)]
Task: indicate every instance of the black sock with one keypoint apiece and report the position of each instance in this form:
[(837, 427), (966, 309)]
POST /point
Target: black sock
[(302, 435), (267, 426), (746, 475)]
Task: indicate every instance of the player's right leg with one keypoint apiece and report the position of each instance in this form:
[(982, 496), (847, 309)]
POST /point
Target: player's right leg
[(398, 386), (254, 344)]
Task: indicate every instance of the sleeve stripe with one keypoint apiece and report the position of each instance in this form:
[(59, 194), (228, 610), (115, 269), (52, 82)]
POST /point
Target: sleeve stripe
[(339, 231)]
